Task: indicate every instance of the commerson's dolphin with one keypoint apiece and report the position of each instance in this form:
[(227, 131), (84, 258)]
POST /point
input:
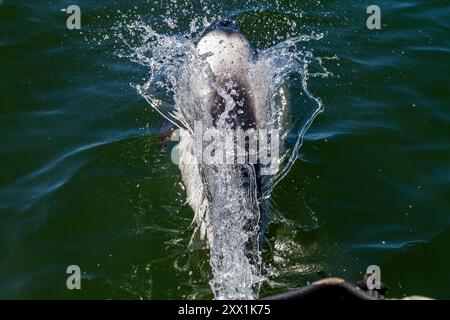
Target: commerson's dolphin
[(226, 97)]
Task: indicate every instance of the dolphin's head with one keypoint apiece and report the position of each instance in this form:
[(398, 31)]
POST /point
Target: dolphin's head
[(228, 50)]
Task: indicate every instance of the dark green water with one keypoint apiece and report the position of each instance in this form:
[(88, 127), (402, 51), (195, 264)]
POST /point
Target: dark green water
[(83, 181)]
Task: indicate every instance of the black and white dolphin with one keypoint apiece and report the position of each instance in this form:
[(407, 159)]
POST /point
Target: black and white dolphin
[(225, 93)]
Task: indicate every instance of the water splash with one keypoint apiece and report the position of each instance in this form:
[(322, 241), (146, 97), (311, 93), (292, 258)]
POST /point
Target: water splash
[(281, 73)]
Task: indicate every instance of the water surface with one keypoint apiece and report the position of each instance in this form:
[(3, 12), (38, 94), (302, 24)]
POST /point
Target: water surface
[(83, 179)]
